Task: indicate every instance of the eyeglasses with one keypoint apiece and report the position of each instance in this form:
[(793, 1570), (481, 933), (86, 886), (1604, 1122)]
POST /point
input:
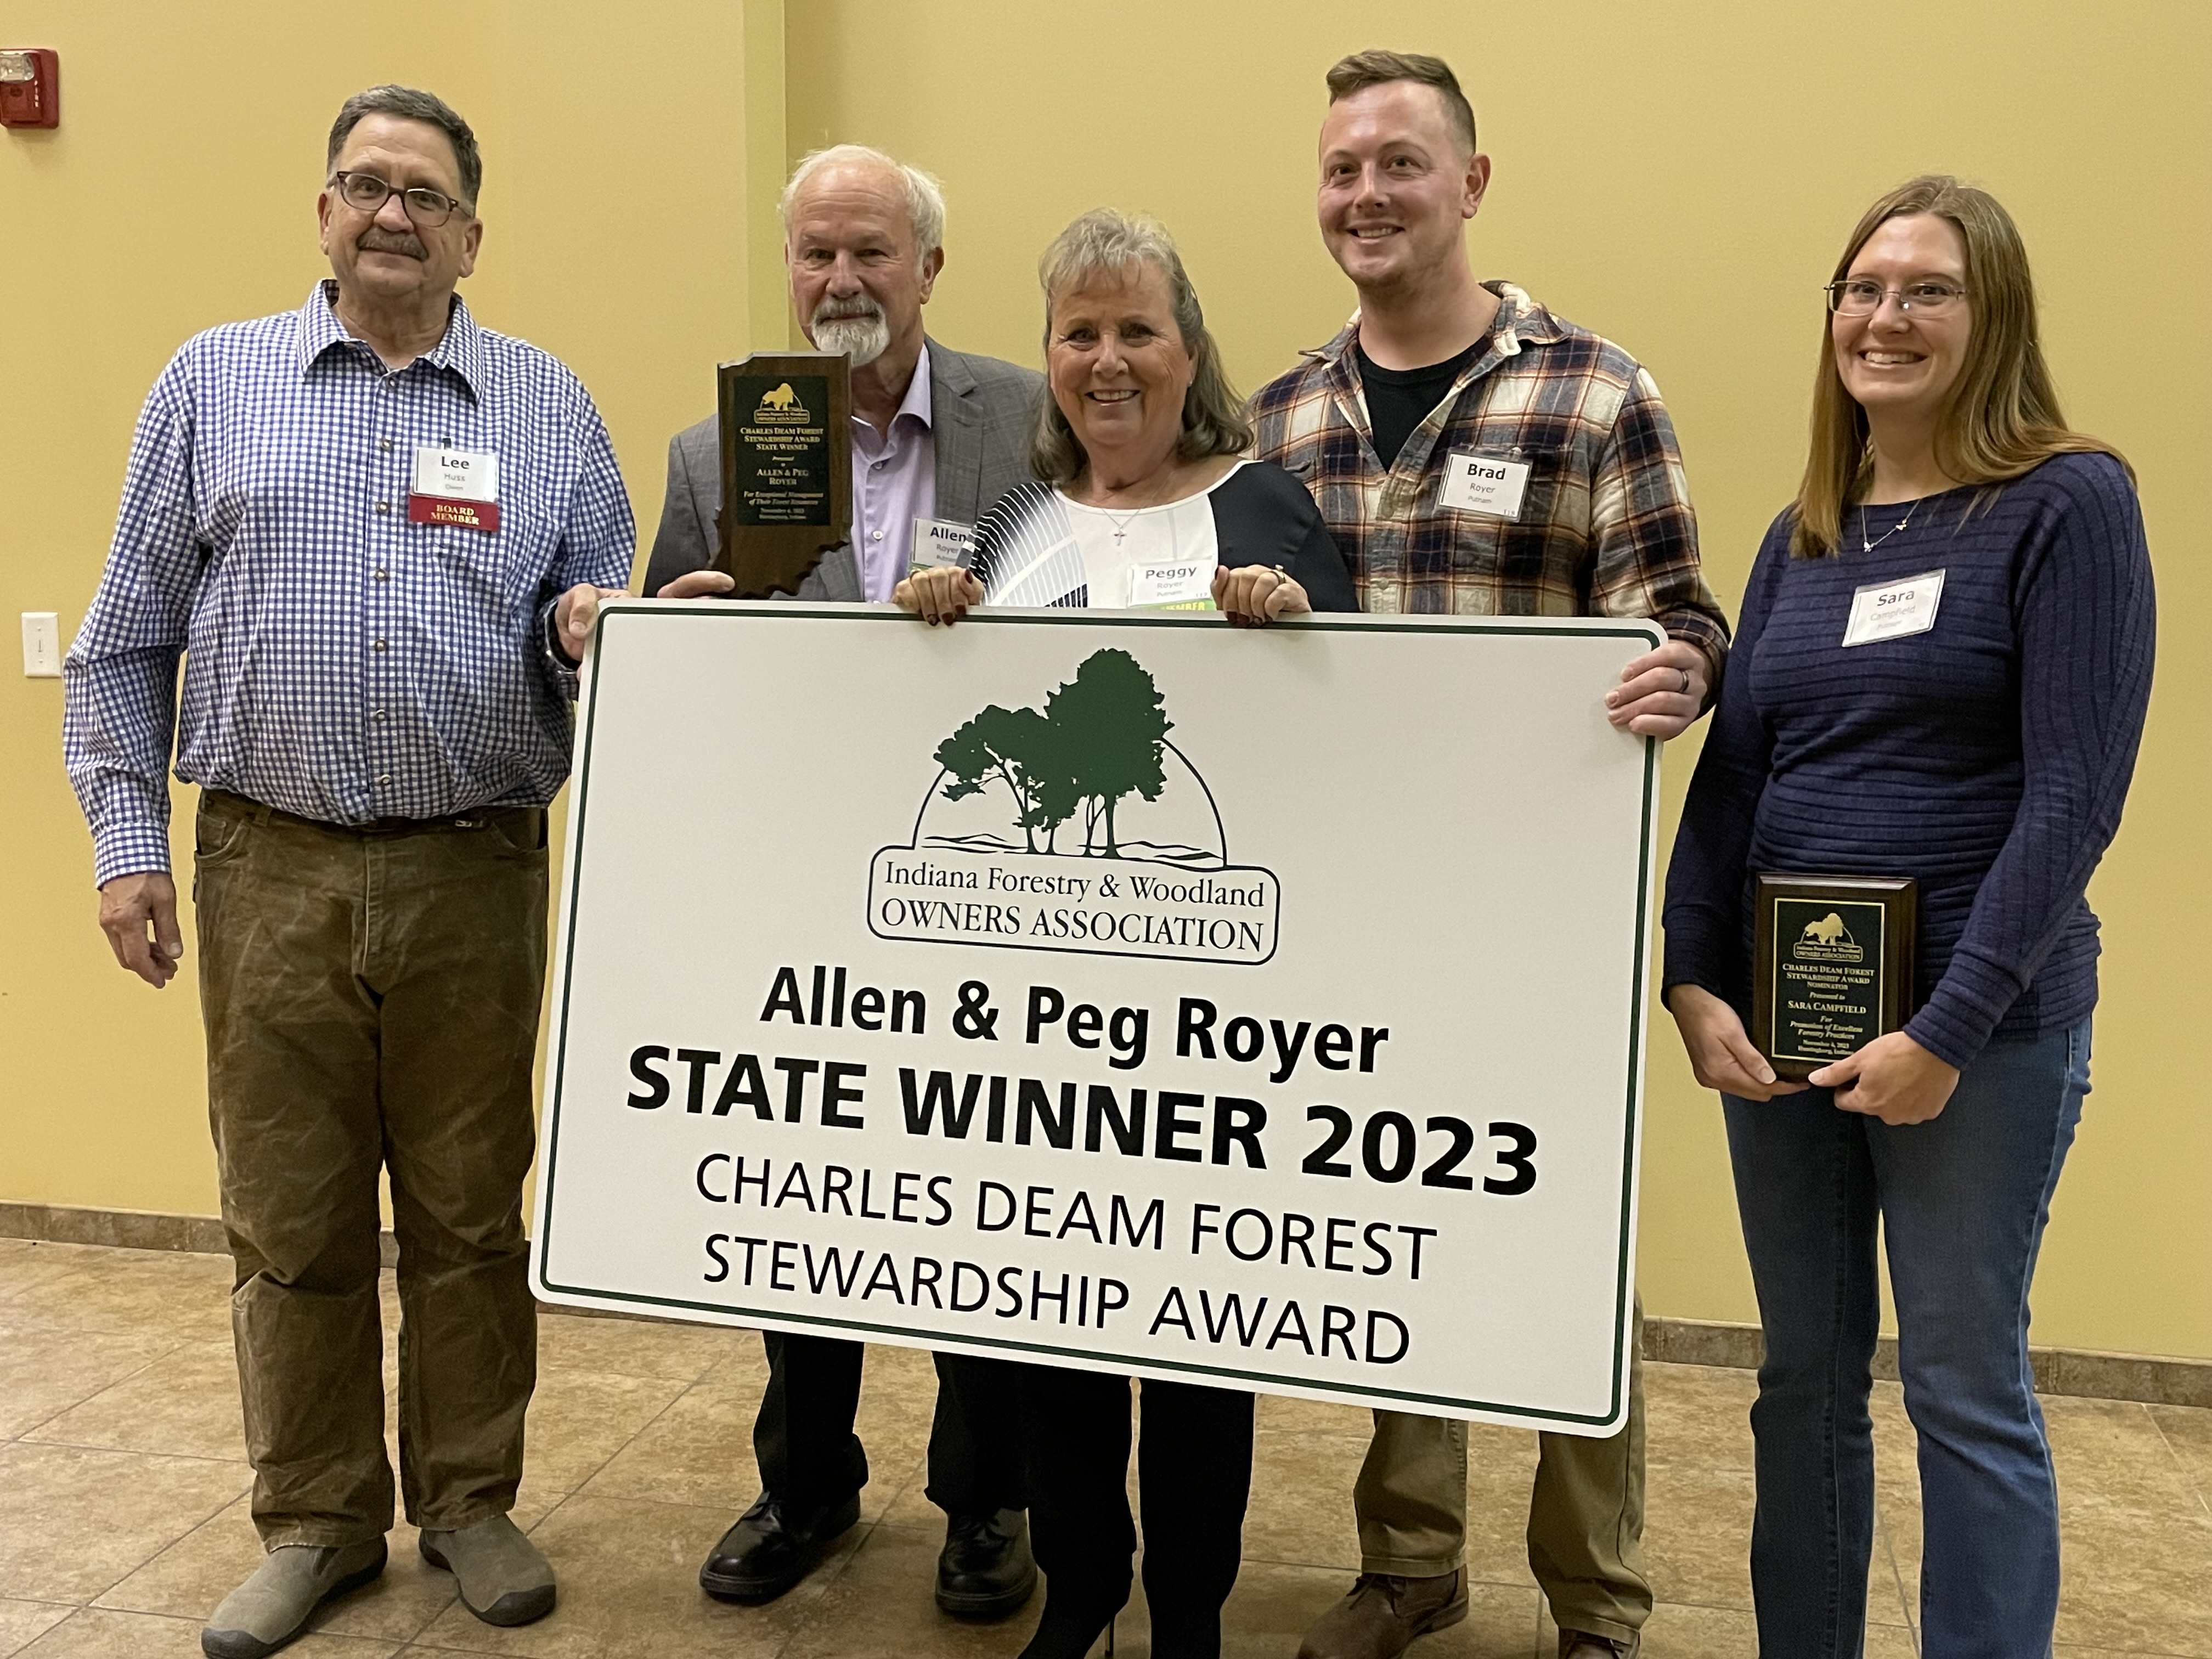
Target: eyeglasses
[(1859, 296), (426, 208)]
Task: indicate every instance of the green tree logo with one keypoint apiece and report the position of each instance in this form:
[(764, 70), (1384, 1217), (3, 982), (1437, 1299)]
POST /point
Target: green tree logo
[(1101, 738)]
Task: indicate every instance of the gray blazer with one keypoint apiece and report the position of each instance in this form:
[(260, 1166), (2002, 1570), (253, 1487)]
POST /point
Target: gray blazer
[(980, 414)]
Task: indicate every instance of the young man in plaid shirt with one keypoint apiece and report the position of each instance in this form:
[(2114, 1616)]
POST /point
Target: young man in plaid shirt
[(1474, 454)]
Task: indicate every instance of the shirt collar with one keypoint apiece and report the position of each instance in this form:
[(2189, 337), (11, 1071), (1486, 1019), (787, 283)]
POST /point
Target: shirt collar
[(1520, 321), (461, 350), (916, 402)]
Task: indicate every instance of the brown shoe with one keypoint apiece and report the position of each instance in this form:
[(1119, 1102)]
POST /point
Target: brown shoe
[(1581, 1645), (1383, 1613)]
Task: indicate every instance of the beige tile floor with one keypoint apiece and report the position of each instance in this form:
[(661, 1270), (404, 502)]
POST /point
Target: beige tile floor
[(123, 1516)]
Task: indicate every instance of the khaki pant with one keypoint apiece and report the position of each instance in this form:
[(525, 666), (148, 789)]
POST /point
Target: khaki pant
[(1585, 1515), (371, 999)]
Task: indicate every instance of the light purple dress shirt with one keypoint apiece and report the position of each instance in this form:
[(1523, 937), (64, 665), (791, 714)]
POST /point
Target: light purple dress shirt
[(894, 484)]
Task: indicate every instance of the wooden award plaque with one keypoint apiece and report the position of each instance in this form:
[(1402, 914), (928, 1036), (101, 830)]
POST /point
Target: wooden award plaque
[(787, 467), (1832, 966)]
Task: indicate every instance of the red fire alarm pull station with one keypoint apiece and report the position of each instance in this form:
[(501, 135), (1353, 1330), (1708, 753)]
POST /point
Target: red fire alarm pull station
[(30, 86)]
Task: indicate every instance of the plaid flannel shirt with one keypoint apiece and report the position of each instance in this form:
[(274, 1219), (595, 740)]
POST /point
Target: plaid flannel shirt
[(1606, 526)]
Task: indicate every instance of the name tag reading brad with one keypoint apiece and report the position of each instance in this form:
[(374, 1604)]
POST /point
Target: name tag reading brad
[(1483, 484), (454, 486), (1890, 610), (938, 543), (1173, 585)]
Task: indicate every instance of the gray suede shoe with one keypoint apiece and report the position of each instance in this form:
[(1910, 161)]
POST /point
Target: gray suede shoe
[(273, 1606), (503, 1578)]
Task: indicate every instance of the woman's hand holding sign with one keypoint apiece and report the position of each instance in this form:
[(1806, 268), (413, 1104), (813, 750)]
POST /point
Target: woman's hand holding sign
[(1257, 594), (939, 595)]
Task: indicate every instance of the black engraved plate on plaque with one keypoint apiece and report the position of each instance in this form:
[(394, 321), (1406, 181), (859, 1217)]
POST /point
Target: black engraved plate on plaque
[(1832, 966), (787, 467)]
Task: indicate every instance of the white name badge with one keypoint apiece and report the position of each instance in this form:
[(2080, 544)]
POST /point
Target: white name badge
[(1481, 483), (454, 486), (937, 544), (1173, 584), (1890, 610)]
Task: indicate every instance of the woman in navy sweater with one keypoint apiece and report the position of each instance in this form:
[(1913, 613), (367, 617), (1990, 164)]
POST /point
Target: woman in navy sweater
[(1981, 743)]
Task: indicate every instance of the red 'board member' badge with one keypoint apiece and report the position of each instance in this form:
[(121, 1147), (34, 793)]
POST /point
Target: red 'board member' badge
[(455, 486), (438, 509)]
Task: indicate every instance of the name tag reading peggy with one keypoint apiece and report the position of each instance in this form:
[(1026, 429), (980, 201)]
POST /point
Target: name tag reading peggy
[(454, 486), (1481, 483), (1173, 585), (1890, 610)]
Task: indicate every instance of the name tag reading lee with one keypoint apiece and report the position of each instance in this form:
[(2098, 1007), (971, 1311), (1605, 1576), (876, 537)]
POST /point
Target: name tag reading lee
[(1890, 610), (938, 543), (454, 486), (1173, 585), (1483, 484)]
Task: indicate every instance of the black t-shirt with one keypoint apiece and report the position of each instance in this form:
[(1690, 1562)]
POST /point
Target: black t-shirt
[(1399, 399)]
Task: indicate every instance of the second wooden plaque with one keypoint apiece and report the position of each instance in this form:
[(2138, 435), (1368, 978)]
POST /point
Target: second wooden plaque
[(1832, 966)]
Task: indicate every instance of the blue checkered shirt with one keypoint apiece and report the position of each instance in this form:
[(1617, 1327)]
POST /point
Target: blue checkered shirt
[(340, 662)]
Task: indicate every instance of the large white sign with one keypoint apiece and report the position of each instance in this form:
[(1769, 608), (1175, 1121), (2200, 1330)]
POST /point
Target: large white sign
[(1124, 991)]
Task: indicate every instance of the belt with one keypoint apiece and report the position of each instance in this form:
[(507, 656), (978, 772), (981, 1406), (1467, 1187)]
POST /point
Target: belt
[(475, 817)]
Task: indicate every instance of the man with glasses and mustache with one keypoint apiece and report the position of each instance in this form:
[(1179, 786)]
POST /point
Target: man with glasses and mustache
[(937, 436), (375, 531)]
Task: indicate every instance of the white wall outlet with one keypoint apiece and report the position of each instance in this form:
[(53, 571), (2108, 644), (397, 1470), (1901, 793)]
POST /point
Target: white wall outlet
[(42, 645)]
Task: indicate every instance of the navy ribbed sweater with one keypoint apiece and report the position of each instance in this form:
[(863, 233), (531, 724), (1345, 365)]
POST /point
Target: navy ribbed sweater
[(1988, 757)]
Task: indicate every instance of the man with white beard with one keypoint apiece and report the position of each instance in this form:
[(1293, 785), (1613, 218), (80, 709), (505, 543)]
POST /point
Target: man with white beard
[(937, 436)]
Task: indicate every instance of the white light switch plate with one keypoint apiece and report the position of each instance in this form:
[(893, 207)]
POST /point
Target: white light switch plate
[(42, 645)]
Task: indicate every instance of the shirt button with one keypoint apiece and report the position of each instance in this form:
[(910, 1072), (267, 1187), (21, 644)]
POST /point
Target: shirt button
[(384, 575), (876, 535), (383, 506), (380, 644), (385, 778), (875, 466), (385, 445), (376, 713)]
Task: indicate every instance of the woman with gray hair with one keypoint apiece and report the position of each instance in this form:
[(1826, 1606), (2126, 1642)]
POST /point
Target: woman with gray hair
[(1144, 499)]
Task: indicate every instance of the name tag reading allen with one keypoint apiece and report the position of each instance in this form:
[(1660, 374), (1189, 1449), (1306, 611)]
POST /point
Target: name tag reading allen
[(1890, 610), (1485, 485), (938, 543), (1173, 585), (454, 486)]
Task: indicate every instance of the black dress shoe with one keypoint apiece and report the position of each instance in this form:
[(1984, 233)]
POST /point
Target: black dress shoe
[(768, 1551), (986, 1570)]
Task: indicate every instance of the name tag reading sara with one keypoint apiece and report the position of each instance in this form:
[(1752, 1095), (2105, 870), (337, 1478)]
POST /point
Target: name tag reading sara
[(1890, 610), (938, 543), (1485, 485), (1173, 585), (454, 486)]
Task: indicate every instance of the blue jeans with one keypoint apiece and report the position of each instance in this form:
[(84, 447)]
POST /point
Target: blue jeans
[(1962, 1201)]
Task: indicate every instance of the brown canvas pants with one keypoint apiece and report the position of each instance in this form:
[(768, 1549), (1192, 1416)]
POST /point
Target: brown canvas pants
[(1585, 1515), (370, 999)]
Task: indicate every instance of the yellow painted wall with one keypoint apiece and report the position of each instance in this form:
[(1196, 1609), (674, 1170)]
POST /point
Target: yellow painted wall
[(622, 240), (1679, 178)]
